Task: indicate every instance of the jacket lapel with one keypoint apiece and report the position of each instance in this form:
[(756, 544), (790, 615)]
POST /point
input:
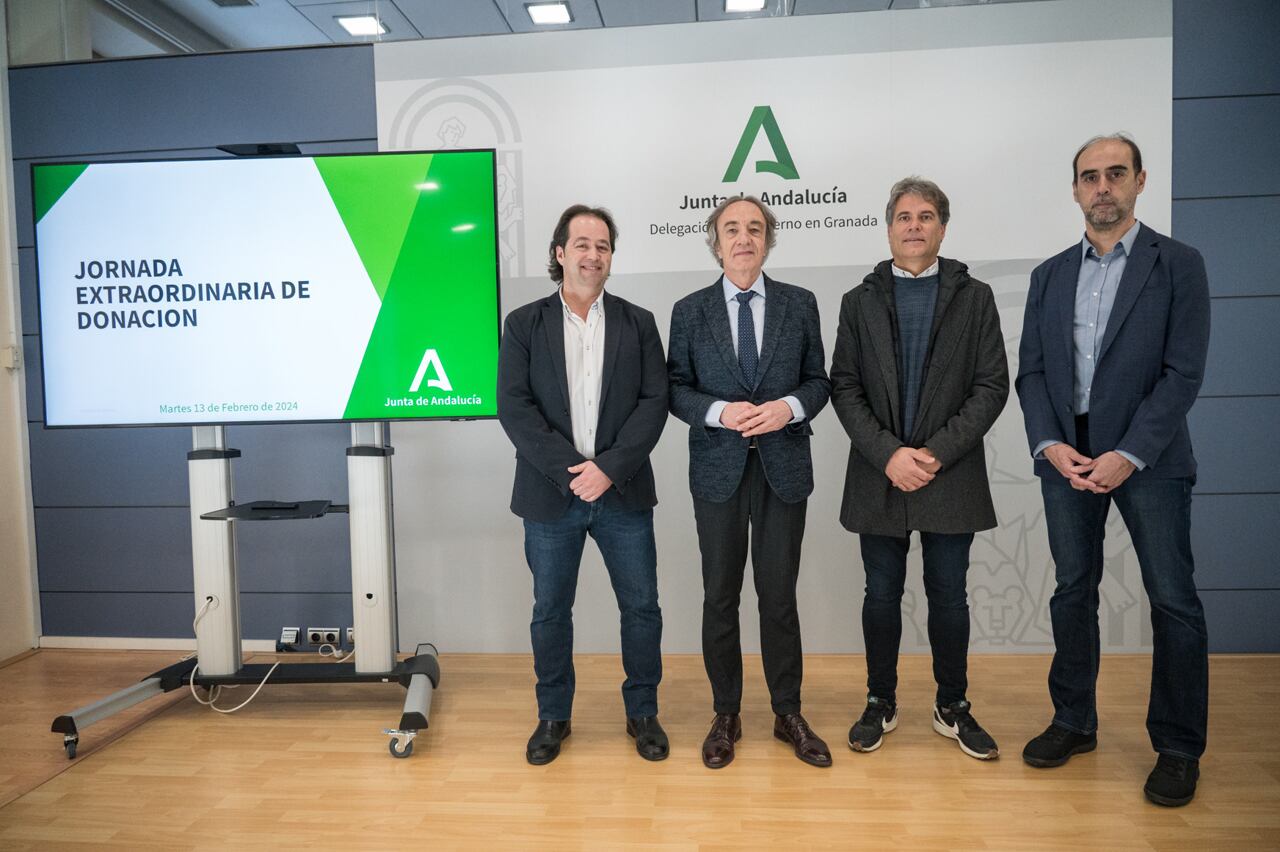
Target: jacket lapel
[(553, 323), (1137, 271), (716, 316), (1061, 307), (948, 328), (877, 320), (775, 315), (612, 337)]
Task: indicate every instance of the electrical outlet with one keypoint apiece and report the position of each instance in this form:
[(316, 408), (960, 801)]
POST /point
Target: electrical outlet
[(351, 637), (322, 636), (289, 639)]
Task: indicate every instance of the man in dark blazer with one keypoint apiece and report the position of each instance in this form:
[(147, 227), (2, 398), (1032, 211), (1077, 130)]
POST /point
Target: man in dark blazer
[(748, 375), (918, 377), (582, 393), (1112, 356)]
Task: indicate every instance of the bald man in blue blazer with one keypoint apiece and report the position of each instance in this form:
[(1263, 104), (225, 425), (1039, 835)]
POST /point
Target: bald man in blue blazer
[(1112, 356)]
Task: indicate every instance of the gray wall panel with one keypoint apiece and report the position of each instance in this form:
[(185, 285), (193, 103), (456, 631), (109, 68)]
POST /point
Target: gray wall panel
[(1211, 36), (304, 461), (1234, 439), (27, 291), (192, 101), (169, 614), (33, 374), (1226, 146), (152, 614), (1241, 622), (114, 550), (1244, 348), (109, 467), (1224, 229), (1229, 537), (312, 555), (262, 615)]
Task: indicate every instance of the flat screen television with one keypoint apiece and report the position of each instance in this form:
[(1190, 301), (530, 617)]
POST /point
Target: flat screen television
[(273, 289)]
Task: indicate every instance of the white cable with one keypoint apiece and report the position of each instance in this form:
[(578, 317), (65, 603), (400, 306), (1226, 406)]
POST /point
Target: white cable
[(217, 689), (209, 703), (333, 652)]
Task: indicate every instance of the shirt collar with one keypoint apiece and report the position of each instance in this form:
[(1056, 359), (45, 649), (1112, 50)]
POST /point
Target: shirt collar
[(595, 306), (902, 273), (1130, 237), (731, 290)]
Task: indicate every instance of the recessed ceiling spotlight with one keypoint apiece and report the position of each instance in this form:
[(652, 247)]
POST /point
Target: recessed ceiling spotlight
[(732, 6), (361, 25), (548, 14)]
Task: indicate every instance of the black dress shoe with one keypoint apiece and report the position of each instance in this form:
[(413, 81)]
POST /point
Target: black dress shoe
[(1173, 782), (1056, 745), (651, 740), (809, 747), (544, 745), (717, 748)]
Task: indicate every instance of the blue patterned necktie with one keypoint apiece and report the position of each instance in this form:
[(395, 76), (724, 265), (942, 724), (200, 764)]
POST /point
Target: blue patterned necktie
[(748, 357)]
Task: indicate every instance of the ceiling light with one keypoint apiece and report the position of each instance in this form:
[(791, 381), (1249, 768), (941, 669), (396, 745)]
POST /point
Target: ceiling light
[(732, 6), (547, 14), (362, 25)]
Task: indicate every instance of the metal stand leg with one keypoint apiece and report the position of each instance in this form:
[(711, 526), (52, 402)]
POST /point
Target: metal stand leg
[(421, 675)]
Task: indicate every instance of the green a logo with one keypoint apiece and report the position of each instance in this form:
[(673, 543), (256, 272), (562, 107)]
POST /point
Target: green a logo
[(781, 165)]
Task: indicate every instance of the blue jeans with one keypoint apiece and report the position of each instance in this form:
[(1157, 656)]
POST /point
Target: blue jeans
[(946, 564), (1157, 513), (554, 551)]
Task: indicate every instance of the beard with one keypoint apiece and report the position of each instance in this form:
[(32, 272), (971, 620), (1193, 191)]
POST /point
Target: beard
[(1105, 216)]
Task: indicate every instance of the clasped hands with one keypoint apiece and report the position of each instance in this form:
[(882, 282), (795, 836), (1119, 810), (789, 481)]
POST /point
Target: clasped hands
[(751, 420), (1101, 475), (590, 483), (910, 469)]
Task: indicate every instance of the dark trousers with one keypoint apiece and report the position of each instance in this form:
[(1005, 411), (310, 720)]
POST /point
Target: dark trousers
[(554, 551), (776, 529), (946, 564), (1157, 513)]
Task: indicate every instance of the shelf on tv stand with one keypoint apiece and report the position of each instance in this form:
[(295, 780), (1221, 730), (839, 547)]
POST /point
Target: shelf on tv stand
[(274, 510)]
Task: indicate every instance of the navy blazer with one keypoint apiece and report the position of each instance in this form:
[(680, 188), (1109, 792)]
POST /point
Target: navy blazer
[(1150, 365), (533, 406), (703, 368)]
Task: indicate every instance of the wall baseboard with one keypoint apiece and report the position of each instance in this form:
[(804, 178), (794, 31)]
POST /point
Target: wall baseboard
[(139, 643)]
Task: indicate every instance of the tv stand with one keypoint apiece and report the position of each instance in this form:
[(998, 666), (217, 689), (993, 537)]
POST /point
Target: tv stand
[(218, 638)]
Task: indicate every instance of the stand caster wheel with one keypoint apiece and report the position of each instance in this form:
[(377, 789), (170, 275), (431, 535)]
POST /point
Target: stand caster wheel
[(396, 751), (70, 745)]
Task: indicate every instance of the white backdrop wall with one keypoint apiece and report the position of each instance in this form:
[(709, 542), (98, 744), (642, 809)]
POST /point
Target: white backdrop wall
[(989, 101)]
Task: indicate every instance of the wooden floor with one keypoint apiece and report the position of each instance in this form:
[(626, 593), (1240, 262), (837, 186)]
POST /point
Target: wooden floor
[(307, 766)]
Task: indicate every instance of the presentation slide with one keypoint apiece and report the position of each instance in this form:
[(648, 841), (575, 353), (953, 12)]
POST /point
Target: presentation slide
[(357, 287)]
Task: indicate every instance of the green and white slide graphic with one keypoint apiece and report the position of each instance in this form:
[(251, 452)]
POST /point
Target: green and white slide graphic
[(315, 288)]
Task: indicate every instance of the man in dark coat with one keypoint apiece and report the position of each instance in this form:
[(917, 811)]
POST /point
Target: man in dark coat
[(748, 375), (919, 376)]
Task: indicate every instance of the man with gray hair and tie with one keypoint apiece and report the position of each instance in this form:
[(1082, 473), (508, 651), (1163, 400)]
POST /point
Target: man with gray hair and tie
[(748, 375)]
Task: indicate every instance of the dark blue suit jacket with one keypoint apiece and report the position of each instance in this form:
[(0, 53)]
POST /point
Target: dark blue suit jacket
[(533, 406), (703, 368), (1151, 362)]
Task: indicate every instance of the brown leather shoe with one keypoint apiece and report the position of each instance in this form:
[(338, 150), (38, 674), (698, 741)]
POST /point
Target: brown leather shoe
[(717, 748), (792, 728)]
